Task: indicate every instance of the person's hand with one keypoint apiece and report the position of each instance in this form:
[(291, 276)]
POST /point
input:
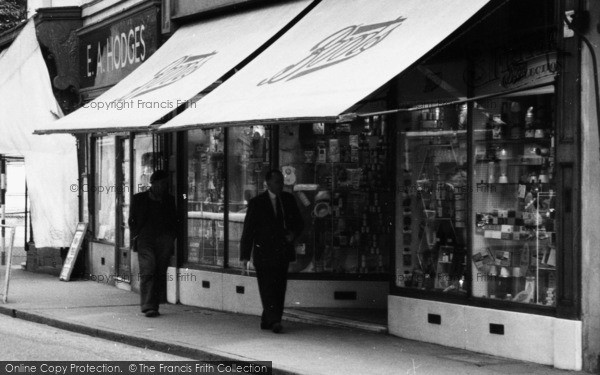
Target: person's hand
[(289, 236), (245, 267)]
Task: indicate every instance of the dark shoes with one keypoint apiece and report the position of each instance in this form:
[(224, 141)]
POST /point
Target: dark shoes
[(151, 313), (275, 327)]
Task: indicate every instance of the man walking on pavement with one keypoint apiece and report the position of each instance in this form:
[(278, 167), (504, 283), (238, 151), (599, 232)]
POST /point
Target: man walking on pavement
[(272, 223), (153, 225)]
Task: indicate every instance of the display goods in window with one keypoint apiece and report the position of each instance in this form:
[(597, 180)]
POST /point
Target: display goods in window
[(339, 174)]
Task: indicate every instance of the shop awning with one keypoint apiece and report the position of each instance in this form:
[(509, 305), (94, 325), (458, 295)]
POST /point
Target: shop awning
[(195, 57), (26, 101), (337, 55)]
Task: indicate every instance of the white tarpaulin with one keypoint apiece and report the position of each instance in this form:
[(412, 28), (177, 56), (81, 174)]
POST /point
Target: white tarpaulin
[(26, 101), (195, 57), (337, 55)]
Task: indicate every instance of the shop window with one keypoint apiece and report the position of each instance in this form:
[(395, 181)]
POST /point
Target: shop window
[(145, 160), (104, 181), (205, 194), (512, 248), (431, 195), (339, 174), (123, 197), (514, 241), (124, 192), (248, 161)]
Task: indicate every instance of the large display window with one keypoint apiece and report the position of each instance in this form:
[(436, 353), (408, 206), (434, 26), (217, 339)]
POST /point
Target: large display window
[(508, 197), (341, 177)]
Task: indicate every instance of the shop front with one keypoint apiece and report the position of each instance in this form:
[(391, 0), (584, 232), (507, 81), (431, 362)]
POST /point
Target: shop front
[(132, 85), (435, 174), (438, 176), (112, 164)]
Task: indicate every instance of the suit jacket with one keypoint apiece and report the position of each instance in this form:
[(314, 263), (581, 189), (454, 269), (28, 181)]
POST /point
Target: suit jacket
[(264, 237), (138, 214)]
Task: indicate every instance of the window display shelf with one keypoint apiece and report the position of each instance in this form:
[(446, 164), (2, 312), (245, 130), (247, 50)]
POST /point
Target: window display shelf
[(512, 185), (520, 141), (515, 162), (434, 133)]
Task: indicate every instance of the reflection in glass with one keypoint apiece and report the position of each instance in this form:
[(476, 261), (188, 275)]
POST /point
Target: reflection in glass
[(339, 174), (432, 170), (104, 225), (205, 192), (248, 153)]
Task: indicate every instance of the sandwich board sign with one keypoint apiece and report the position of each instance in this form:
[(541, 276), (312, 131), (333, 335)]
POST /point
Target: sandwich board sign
[(67, 269)]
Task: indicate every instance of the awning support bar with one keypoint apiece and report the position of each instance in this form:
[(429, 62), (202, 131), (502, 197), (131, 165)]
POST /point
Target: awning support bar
[(351, 116)]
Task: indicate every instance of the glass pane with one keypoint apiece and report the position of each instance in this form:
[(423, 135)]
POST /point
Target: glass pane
[(144, 161), (206, 177), (123, 194), (248, 162), (86, 170), (339, 175), (124, 191), (105, 179), (431, 219), (514, 243)]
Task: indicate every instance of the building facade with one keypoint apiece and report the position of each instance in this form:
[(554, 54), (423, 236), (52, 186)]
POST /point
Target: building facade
[(453, 195)]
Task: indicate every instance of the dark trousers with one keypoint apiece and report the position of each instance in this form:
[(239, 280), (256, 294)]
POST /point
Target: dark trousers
[(153, 258), (272, 283)]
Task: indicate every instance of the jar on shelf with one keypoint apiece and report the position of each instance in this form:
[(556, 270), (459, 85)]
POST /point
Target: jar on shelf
[(529, 123)]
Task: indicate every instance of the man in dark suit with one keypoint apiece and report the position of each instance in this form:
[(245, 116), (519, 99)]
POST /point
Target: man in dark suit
[(272, 223), (153, 225)]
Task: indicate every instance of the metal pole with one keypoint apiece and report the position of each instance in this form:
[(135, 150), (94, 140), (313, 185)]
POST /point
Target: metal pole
[(25, 226), (3, 206)]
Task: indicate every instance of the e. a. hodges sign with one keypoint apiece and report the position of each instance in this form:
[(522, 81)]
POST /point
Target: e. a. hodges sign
[(110, 53)]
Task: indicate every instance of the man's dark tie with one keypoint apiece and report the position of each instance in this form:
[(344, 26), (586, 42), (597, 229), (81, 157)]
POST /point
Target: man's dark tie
[(279, 211)]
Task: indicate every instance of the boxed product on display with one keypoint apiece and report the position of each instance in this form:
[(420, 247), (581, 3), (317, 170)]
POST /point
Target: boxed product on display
[(348, 212)]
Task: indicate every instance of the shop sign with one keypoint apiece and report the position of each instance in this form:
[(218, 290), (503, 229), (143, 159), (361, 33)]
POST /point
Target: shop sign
[(338, 47), (531, 64), (538, 69), (109, 54)]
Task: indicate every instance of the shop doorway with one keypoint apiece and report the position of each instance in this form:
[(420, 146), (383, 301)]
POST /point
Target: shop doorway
[(373, 320)]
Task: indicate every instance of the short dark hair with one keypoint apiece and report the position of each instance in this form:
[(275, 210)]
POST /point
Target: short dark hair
[(158, 175), (269, 175)]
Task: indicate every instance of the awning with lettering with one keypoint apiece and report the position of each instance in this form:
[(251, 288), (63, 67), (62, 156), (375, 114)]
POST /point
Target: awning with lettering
[(334, 57), (195, 57)]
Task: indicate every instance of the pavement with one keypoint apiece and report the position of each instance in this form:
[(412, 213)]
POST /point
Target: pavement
[(107, 312)]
